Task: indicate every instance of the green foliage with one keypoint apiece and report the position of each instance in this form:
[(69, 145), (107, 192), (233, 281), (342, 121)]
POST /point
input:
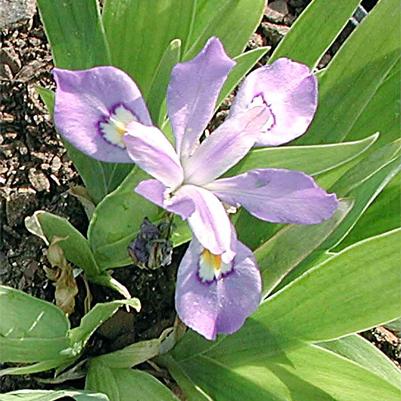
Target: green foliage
[(301, 43), (126, 384), (350, 83), (31, 330)]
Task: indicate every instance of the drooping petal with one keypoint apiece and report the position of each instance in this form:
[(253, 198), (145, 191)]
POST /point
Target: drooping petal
[(93, 107), (278, 196), (225, 147), (153, 153), (157, 193), (209, 222), (289, 89), (193, 91), (222, 305)]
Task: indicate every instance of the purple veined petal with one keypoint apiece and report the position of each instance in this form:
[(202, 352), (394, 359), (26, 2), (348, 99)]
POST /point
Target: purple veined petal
[(193, 91), (93, 107), (289, 89), (153, 153), (278, 196), (209, 222), (220, 305), (226, 146), (158, 193)]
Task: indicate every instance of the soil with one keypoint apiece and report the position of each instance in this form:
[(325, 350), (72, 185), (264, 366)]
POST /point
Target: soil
[(36, 174)]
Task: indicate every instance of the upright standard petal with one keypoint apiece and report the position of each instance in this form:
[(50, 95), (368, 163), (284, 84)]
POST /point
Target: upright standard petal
[(93, 108), (221, 304), (209, 222), (159, 194), (225, 147), (278, 196), (289, 89), (193, 91), (153, 153)]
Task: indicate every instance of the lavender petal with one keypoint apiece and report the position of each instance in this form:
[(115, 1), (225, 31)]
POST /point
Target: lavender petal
[(223, 305), (86, 99), (289, 89), (209, 222), (226, 146), (153, 153), (193, 91), (157, 193), (278, 196)]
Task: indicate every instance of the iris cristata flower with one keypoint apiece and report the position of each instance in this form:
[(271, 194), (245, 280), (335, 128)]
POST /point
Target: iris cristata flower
[(102, 113)]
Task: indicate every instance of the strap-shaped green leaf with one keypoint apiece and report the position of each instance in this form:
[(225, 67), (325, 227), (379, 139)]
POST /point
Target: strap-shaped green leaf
[(302, 43), (356, 74), (126, 384), (75, 32), (303, 374), (232, 21), (364, 353), (139, 32)]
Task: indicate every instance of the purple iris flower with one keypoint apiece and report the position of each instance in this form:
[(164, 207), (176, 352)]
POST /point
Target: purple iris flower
[(102, 113)]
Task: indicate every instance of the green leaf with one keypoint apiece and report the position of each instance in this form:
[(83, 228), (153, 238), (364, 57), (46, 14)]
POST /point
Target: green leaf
[(311, 160), (302, 44), (303, 374), (158, 88), (116, 222), (131, 355), (287, 248), (232, 21), (139, 32), (355, 75), (31, 329), (381, 216), (75, 247), (363, 190), (308, 308), (48, 395), (75, 32), (34, 368), (244, 63), (382, 112), (94, 318), (364, 353), (126, 384), (190, 389)]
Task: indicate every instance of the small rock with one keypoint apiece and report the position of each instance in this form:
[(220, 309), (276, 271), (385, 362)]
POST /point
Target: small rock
[(255, 41), (56, 164), (9, 57), (5, 72), (15, 11), (38, 180), (273, 32), (276, 11), (19, 204)]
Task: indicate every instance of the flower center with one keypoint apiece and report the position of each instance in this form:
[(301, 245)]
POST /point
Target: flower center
[(211, 267), (114, 127)]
